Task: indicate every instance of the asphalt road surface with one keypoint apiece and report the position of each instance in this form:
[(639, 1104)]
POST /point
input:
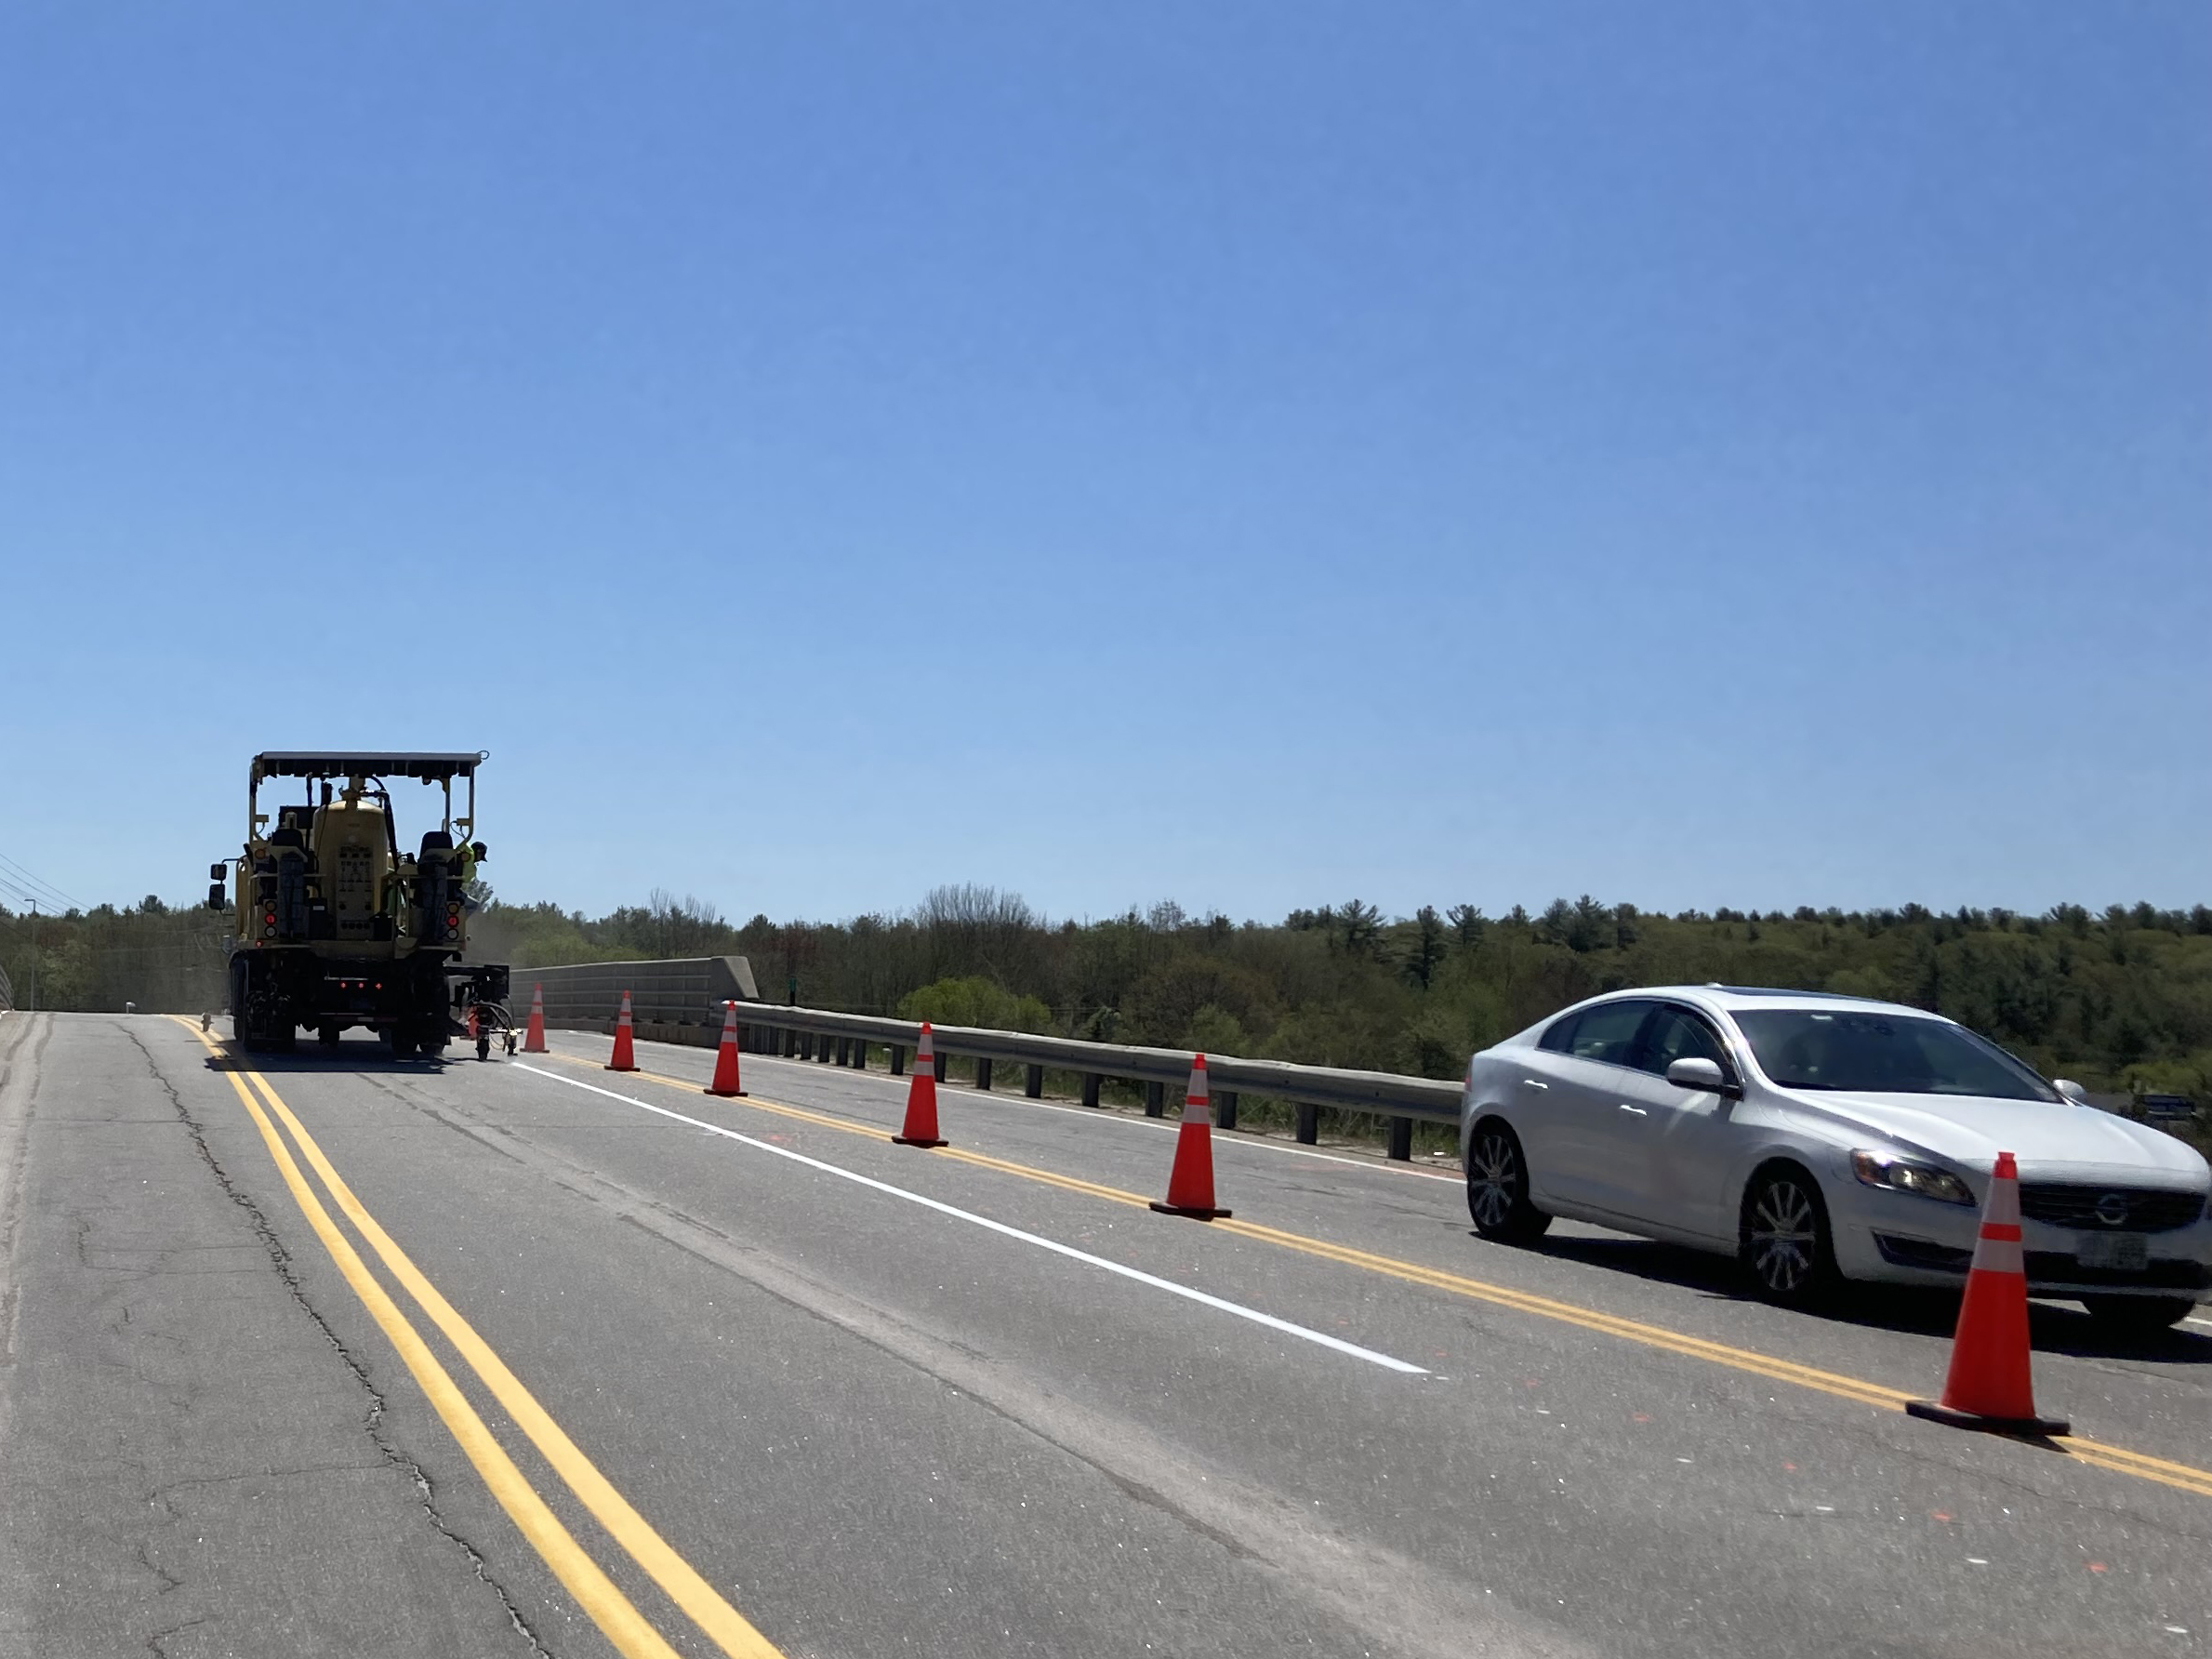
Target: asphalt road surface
[(337, 1355)]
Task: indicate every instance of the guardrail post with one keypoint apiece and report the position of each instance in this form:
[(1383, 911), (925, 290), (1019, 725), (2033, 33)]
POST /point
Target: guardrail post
[(1400, 1145), (845, 1053), (899, 1060), (1155, 1100), (1309, 1124), (791, 1041), (860, 1048), (1033, 1085), (1091, 1081), (983, 1073), (1224, 1109), (944, 1060)]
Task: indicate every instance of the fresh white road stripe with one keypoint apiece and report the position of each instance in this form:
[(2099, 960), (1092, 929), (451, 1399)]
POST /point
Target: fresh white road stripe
[(1237, 1142), (1168, 1285)]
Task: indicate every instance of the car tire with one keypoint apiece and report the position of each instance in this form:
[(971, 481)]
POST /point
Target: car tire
[(1498, 1187), (2139, 1315), (1784, 1242)]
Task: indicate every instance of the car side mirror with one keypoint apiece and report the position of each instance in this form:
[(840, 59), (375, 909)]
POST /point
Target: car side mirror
[(215, 896), (2074, 1094), (1694, 1071)]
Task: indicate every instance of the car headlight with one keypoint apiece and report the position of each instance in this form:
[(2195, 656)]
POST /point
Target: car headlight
[(1903, 1175)]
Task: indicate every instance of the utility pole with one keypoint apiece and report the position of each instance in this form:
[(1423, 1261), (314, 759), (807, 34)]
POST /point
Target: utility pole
[(33, 1008)]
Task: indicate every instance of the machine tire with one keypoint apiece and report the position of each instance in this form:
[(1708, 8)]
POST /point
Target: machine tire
[(328, 1036), (2139, 1315), (1498, 1185)]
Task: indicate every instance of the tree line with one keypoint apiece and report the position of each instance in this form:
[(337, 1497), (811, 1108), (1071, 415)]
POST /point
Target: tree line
[(2119, 999)]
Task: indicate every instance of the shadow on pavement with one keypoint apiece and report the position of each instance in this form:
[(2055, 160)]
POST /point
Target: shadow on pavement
[(2058, 1328), (311, 1057)]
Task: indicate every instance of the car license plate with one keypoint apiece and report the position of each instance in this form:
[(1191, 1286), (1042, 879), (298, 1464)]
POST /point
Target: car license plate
[(2122, 1252)]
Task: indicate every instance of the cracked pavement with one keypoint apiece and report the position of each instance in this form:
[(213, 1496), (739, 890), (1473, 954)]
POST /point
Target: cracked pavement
[(196, 1463)]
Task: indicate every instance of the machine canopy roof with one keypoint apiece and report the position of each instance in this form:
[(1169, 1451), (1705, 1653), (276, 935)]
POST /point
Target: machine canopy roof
[(431, 768)]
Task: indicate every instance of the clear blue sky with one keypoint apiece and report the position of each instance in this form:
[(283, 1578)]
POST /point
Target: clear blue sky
[(1258, 454)]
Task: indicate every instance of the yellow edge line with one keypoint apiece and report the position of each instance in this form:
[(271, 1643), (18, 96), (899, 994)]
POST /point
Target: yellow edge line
[(2181, 1475), (593, 1590)]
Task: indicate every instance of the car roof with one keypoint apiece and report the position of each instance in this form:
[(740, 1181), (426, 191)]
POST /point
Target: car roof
[(1736, 998)]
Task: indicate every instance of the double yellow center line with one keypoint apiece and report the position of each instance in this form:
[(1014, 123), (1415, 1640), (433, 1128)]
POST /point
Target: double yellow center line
[(599, 1596), (2181, 1475)]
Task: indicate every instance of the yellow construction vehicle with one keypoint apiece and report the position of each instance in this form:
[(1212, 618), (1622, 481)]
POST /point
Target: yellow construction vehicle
[(336, 926)]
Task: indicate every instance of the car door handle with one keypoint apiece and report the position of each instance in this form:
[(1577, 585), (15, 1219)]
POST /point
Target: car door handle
[(1529, 1083), (1639, 1110)]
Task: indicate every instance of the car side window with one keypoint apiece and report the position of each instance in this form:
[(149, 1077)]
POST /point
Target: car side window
[(1558, 1038), (1677, 1034), (1607, 1033)]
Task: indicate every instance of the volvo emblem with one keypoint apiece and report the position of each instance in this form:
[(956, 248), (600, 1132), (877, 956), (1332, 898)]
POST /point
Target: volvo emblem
[(2112, 1209)]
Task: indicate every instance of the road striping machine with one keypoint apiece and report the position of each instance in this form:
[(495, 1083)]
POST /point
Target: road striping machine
[(337, 927)]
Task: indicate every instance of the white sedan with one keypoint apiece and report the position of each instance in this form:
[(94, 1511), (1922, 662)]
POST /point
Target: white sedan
[(1821, 1139)]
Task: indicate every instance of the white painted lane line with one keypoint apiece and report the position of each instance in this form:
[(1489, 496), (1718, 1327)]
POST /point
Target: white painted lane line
[(1219, 1304), (1228, 1137), (2193, 1320)]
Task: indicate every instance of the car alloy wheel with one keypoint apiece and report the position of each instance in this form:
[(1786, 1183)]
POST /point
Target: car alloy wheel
[(1785, 1236), (1498, 1187)]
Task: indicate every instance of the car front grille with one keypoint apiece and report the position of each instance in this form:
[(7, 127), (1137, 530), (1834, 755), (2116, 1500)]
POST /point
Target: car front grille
[(2115, 1209)]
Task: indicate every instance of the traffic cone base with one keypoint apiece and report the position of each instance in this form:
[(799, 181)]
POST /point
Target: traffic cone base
[(920, 1128), (2029, 1426), (1191, 1211), (1989, 1386)]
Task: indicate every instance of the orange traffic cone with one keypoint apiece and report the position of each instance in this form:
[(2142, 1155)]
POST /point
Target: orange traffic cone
[(624, 1059), (921, 1096), (1988, 1385), (726, 1063), (1190, 1183), (534, 1039)]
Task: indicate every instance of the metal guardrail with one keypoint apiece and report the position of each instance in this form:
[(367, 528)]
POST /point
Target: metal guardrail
[(850, 1039), (679, 991)]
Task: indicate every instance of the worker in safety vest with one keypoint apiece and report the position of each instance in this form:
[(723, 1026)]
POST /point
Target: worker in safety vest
[(472, 855)]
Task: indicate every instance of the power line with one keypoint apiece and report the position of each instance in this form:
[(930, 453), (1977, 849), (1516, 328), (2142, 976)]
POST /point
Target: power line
[(54, 897), (24, 894)]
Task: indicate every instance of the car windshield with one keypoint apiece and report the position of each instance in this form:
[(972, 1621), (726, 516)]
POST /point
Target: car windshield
[(1883, 1053)]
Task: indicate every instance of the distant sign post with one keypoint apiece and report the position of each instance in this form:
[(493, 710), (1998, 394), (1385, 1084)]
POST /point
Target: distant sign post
[(2168, 1106)]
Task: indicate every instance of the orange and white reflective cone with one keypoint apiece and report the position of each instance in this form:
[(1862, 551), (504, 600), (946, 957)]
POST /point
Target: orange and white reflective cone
[(1988, 1385), (534, 1039), (1190, 1183), (624, 1059), (921, 1096), (726, 1063)]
